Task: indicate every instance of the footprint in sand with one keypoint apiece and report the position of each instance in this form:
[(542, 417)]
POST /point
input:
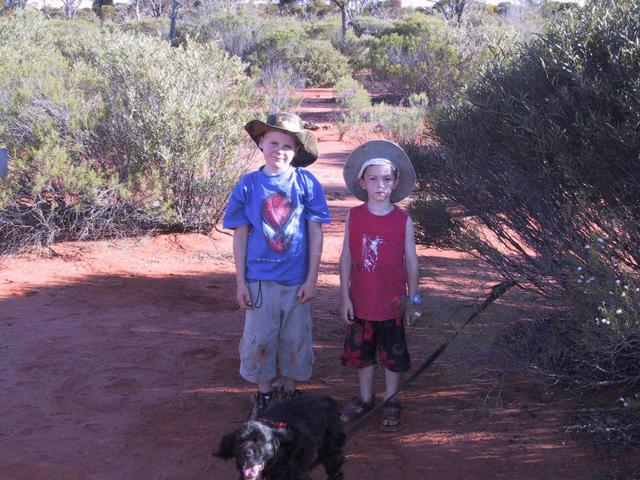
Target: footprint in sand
[(116, 388)]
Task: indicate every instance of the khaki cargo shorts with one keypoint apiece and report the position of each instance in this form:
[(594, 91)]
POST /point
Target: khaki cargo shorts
[(278, 328)]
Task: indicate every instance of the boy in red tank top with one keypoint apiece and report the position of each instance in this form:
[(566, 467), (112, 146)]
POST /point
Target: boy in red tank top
[(378, 268)]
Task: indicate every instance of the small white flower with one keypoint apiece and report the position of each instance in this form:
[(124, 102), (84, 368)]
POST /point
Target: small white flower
[(600, 240), (587, 246), (623, 294), (606, 322), (626, 287), (591, 279), (610, 292), (618, 282), (604, 303), (618, 311), (579, 269), (579, 280)]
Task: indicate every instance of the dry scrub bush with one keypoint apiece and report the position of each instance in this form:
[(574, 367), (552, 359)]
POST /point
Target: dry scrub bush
[(111, 134), (413, 56), (540, 162), (280, 83), (356, 115), (424, 55), (237, 33), (172, 128), (401, 124), (48, 107), (353, 105), (263, 42)]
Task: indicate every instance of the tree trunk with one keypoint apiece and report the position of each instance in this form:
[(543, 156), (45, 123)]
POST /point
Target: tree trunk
[(172, 26)]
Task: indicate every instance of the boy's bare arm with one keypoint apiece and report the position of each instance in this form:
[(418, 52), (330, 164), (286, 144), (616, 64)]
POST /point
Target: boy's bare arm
[(412, 311), (307, 290), (240, 237), (411, 259), (345, 276)]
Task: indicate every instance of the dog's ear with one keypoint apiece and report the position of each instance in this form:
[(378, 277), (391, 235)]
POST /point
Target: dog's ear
[(226, 449)]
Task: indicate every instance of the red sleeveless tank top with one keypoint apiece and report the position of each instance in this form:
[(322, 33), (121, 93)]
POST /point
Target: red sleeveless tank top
[(378, 272)]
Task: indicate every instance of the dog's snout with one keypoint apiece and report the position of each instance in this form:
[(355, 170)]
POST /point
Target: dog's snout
[(248, 451)]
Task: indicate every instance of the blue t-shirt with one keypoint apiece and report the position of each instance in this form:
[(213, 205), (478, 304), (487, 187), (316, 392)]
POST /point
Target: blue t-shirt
[(276, 208)]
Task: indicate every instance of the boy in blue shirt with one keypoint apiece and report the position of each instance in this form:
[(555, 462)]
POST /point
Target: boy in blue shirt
[(277, 214)]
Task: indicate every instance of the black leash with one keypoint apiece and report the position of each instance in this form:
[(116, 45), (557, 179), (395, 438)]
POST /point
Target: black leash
[(496, 292)]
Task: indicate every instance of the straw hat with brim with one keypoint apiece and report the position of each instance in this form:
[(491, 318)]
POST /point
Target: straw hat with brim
[(379, 149), (287, 123)]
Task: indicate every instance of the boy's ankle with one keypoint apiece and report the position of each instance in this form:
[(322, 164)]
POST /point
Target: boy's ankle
[(368, 400), (261, 403)]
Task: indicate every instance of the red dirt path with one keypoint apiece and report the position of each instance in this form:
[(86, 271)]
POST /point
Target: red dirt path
[(118, 360)]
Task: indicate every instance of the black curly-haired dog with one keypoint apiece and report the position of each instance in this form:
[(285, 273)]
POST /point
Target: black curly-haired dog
[(285, 441)]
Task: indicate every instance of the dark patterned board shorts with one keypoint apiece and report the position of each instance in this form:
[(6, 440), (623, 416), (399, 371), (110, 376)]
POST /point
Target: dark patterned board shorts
[(365, 338)]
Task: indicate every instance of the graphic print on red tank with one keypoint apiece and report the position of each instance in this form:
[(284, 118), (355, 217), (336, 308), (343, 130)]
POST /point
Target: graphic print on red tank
[(370, 252), (278, 229)]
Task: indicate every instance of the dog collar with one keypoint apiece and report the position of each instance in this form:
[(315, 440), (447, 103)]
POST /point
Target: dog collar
[(273, 424)]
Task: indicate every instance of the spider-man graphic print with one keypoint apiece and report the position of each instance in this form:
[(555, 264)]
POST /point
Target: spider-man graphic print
[(278, 223), (276, 210)]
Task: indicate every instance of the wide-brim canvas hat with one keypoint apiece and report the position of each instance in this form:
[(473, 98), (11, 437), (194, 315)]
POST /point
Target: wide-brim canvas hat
[(379, 149), (287, 123)]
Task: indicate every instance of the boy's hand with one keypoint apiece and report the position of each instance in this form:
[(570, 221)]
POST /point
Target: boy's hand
[(347, 311), (412, 314), (306, 292), (243, 297)]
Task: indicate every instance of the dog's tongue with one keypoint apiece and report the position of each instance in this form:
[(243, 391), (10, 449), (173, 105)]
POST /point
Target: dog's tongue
[(253, 472)]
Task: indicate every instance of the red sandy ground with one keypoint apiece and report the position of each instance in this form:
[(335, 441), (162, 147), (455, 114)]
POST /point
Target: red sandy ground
[(118, 360)]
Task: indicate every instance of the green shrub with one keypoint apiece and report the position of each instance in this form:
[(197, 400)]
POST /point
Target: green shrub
[(48, 107), (280, 83), (351, 95), (174, 118), (239, 33), (401, 124), (280, 43), (414, 56), (317, 61), (321, 64), (541, 160), (372, 25), (113, 133), (155, 27), (356, 49), (594, 344), (353, 105), (422, 54), (325, 29), (318, 9)]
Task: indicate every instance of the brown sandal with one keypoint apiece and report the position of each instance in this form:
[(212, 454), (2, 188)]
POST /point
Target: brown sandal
[(355, 409), (391, 417)]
